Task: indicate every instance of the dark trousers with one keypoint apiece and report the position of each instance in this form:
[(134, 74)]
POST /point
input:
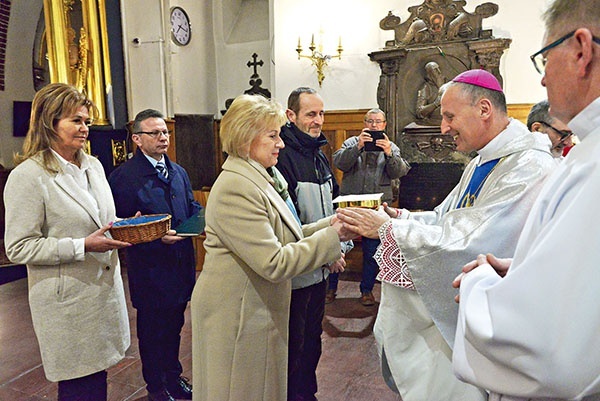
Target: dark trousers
[(88, 388), (306, 315), (333, 280), (370, 267), (158, 332)]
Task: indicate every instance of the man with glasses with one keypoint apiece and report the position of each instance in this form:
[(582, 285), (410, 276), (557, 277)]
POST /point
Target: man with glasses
[(540, 120), (368, 172), (161, 273), (529, 329)]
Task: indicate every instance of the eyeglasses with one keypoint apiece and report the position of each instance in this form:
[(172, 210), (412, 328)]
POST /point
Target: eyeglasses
[(539, 60), (374, 121), (564, 134), (155, 134)]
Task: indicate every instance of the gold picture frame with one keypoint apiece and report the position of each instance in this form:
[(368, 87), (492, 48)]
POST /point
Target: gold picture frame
[(87, 147), (77, 48)]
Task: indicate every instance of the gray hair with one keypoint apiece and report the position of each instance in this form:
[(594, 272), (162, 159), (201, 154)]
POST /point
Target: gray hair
[(475, 93), (375, 111), (566, 15), (540, 112)]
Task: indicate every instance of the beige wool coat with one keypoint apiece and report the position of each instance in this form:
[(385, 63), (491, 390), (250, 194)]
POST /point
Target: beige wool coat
[(77, 306), (240, 304)]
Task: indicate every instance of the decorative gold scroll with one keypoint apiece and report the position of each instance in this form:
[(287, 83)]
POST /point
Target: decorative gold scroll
[(119, 151), (87, 148), (84, 63)]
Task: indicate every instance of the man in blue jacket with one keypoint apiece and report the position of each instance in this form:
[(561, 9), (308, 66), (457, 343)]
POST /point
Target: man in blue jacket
[(162, 272)]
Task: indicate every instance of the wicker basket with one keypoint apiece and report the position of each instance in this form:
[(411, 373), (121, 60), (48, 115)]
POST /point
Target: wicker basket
[(136, 230)]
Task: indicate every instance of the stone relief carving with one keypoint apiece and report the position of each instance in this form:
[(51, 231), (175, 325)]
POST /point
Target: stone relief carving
[(428, 98), (437, 21), (438, 41)]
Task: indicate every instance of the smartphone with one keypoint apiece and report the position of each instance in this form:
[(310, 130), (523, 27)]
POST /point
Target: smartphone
[(370, 146)]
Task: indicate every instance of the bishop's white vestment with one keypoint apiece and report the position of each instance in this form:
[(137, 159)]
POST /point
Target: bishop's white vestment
[(416, 329)]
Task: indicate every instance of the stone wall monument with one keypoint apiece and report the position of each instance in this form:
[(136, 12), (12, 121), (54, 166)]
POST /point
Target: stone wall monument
[(438, 41)]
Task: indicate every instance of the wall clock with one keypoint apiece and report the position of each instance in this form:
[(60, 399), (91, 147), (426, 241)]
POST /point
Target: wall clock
[(181, 30)]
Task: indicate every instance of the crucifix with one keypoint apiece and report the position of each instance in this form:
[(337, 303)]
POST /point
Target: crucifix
[(255, 83), (254, 64)]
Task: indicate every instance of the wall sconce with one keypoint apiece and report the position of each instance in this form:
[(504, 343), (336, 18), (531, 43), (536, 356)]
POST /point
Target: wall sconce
[(318, 59)]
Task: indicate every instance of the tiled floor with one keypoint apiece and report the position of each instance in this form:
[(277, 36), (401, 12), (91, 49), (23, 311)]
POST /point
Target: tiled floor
[(348, 371)]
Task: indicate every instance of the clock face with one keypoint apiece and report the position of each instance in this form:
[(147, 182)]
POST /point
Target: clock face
[(181, 31)]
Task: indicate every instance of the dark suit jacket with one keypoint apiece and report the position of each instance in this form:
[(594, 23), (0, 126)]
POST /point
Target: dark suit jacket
[(160, 275)]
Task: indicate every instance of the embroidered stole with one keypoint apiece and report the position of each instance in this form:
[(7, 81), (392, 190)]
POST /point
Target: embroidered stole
[(393, 268), (479, 176)]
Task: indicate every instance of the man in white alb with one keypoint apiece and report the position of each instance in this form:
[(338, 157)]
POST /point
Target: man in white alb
[(533, 334)]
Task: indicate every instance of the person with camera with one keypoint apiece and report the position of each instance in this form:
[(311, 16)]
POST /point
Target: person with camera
[(370, 162)]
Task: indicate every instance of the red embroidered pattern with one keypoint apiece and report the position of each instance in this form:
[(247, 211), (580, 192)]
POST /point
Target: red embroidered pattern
[(392, 264)]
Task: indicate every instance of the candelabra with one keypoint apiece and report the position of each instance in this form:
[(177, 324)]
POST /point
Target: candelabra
[(318, 59)]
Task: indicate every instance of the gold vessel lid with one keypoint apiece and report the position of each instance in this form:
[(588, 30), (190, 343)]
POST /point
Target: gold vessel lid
[(371, 201)]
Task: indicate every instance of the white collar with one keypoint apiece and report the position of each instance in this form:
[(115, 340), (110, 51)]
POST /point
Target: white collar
[(587, 120), (508, 135), (65, 164), (154, 161)]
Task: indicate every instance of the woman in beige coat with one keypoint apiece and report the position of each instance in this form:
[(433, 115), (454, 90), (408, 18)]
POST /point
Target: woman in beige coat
[(254, 246), (58, 209)]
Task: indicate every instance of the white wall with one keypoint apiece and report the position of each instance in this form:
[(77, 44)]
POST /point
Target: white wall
[(145, 62), (521, 21), (193, 66), (160, 74), (351, 83), (233, 51)]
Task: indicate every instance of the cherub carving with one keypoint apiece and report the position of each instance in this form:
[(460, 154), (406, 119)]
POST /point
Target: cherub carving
[(438, 21)]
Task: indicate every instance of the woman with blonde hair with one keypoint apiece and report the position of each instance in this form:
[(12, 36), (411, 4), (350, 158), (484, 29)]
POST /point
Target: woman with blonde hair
[(254, 246), (59, 208)]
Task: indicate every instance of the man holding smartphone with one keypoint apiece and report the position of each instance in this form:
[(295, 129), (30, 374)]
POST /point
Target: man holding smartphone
[(370, 162)]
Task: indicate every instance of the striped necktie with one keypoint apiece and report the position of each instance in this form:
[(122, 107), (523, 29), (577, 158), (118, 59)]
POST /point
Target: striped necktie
[(162, 169)]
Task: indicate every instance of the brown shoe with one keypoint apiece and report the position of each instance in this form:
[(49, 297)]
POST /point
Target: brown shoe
[(367, 299), (330, 296)]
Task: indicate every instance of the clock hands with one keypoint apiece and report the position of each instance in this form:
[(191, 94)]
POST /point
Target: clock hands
[(179, 27)]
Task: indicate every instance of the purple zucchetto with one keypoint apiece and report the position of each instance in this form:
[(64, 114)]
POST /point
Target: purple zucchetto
[(480, 78)]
